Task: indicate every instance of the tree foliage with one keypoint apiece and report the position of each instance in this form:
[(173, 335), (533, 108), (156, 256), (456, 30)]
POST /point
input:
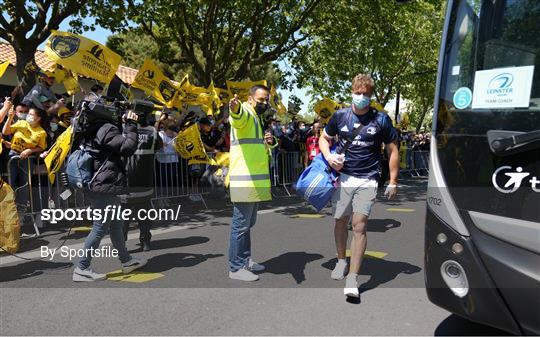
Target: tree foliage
[(134, 45), (396, 43), (223, 40), (27, 24)]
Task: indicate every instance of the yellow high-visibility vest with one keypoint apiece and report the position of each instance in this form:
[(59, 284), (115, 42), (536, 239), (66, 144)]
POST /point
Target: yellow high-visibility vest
[(249, 171)]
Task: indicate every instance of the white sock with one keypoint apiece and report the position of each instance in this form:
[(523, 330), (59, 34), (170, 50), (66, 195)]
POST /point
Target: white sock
[(342, 261), (352, 276)]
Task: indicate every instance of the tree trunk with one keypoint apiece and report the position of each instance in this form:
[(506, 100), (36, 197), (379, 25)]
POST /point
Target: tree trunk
[(419, 125), (25, 55)]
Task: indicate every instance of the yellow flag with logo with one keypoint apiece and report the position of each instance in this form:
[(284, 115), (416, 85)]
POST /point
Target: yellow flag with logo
[(242, 88), (151, 79), (58, 153), (82, 56), (325, 108), (3, 67), (189, 145)]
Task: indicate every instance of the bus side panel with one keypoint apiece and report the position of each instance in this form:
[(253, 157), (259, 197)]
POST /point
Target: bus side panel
[(516, 272), (483, 303)]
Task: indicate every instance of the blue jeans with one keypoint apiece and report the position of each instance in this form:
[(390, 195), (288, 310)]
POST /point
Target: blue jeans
[(244, 217), (100, 201)]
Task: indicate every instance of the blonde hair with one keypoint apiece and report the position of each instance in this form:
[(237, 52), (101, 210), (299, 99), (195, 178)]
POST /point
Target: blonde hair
[(363, 81)]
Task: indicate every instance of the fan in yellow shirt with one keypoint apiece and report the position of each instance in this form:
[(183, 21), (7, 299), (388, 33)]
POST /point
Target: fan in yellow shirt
[(28, 138)]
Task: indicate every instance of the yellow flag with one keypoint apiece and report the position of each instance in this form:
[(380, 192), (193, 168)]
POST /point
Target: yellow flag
[(403, 155), (376, 105), (67, 78), (276, 103), (151, 79), (189, 145), (224, 95), (242, 88), (58, 153), (82, 56), (3, 68), (325, 108)]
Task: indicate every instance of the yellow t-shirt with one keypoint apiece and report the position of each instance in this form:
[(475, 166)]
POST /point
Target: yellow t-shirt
[(27, 137)]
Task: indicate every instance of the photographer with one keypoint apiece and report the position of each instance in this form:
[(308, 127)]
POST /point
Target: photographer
[(109, 143)]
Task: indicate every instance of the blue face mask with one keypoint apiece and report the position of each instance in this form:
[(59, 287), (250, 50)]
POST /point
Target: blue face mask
[(360, 101)]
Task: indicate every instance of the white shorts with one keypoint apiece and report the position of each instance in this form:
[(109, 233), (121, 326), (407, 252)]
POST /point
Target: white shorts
[(353, 195)]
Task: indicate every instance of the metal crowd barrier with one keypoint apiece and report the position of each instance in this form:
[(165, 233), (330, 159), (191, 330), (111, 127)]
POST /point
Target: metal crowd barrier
[(173, 178), (37, 192), (417, 164), (285, 168)]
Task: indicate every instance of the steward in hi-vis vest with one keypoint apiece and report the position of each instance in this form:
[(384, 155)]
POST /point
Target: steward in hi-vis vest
[(249, 171), (249, 175)]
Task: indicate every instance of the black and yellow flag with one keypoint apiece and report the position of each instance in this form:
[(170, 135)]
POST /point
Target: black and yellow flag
[(325, 108), (58, 153), (242, 88), (151, 79), (82, 56), (189, 145)]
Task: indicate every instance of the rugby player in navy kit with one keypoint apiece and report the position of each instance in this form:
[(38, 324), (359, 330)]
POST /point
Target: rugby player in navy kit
[(359, 171)]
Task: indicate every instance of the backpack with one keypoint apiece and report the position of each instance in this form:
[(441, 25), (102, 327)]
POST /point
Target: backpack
[(80, 168)]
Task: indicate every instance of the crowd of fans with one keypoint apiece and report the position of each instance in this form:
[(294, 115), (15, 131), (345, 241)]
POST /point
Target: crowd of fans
[(30, 127)]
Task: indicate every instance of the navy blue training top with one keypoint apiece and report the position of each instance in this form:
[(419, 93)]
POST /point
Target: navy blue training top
[(362, 159)]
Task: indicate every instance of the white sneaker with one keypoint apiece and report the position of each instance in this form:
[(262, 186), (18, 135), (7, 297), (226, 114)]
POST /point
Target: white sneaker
[(133, 264), (87, 275), (339, 270), (351, 287), (254, 266), (243, 275)]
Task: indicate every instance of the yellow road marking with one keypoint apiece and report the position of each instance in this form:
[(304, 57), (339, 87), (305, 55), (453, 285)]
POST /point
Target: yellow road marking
[(81, 229), (135, 277), (369, 254), (400, 210), (309, 216)]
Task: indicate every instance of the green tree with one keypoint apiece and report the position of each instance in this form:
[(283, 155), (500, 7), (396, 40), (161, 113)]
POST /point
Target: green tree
[(223, 40), (393, 42), (27, 24), (135, 45)]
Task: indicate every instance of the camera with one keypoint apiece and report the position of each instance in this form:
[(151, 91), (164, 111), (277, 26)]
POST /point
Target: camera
[(111, 110)]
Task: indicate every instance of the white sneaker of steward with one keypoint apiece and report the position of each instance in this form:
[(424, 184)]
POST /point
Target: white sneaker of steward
[(254, 266), (243, 275), (133, 264), (87, 275), (351, 287)]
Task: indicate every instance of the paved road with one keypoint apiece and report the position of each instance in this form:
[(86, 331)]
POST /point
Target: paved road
[(184, 289)]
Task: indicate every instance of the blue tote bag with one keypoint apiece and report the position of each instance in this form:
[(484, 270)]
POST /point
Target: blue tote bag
[(318, 181)]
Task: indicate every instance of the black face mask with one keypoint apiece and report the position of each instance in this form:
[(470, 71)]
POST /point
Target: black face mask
[(261, 108)]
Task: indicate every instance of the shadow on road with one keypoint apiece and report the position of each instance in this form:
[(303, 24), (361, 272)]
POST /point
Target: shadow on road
[(293, 263), (455, 325), (380, 270), (382, 225), (30, 269), (177, 242), (164, 262)]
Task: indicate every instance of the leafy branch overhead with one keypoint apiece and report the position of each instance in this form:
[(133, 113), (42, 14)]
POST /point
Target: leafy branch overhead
[(223, 40)]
